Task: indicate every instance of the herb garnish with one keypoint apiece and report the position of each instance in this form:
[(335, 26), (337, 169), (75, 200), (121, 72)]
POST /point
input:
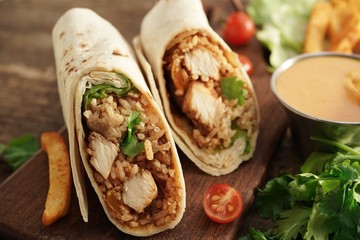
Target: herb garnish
[(19, 150), (232, 88), (321, 202), (103, 90), (129, 144), (240, 133)]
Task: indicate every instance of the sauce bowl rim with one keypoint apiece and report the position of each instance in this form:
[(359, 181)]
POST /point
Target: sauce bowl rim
[(290, 62)]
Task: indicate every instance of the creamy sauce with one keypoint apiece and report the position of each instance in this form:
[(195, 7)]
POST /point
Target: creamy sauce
[(317, 87)]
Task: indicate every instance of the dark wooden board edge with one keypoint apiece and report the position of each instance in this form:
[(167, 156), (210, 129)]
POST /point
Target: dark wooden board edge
[(22, 198)]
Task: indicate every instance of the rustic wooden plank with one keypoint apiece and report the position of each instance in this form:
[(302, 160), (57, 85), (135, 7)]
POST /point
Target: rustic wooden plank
[(30, 103), (26, 201)]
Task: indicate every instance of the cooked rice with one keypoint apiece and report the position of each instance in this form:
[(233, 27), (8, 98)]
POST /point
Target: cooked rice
[(245, 117), (100, 117)]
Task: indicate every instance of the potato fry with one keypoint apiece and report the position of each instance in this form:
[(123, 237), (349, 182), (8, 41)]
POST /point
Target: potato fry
[(348, 37), (317, 27), (59, 192), (356, 48), (353, 85), (341, 15), (334, 26), (344, 29)]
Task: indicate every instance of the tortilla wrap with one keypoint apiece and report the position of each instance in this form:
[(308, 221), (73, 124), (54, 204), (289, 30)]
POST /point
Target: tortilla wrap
[(117, 132), (207, 97)]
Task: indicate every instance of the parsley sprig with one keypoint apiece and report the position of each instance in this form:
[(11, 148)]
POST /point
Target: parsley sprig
[(233, 88), (19, 150), (129, 144), (321, 202)]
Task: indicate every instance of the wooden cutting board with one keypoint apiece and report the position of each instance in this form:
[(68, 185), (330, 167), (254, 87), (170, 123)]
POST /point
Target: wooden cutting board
[(22, 196)]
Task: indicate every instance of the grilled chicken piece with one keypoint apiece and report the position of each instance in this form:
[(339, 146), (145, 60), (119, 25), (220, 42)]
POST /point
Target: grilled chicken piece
[(139, 190), (202, 105), (201, 62), (180, 79), (104, 119), (103, 153)]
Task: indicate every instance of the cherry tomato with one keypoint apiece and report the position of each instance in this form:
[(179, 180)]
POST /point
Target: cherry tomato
[(222, 203), (238, 29), (247, 64)]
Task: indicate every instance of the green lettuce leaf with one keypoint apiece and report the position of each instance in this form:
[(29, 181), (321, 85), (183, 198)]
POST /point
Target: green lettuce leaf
[(240, 133), (283, 25), (19, 150), (103, 90)]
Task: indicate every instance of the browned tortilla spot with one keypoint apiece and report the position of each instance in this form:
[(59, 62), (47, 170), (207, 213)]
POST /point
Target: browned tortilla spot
[(84, 44), (117, 52), (62, 35), (71, 69)]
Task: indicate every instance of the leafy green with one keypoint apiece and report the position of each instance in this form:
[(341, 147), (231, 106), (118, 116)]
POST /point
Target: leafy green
[(255, 235), (275, 197), (103, 90), (129, 144), (282, 33), (291, 222), (321, 203), (232, 88), (240, 133), (19, 150)]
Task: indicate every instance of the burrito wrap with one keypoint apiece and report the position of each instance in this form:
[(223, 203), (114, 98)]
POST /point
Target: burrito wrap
[(171, 33), (89, 54)]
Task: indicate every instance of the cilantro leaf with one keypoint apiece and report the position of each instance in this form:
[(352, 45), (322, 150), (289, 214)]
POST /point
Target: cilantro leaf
[(291, 223), (255, 235), (129, 144), (233, 88), (343, 214), (19, 150), (303, 187), (322, 202), (134, 120), (315, 162), (133, 147), (315, 227), (275, 197)]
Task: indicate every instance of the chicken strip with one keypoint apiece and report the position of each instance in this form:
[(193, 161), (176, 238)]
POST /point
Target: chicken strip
[(139, 191)]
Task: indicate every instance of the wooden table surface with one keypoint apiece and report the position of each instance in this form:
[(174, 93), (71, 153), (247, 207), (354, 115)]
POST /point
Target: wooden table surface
[(29, 101)]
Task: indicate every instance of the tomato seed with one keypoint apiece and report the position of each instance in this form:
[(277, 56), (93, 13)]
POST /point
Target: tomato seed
[(215, 198), (230, 207), (214, 206)]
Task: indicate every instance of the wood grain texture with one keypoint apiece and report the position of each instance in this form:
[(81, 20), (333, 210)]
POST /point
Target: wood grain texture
[(29, 103)]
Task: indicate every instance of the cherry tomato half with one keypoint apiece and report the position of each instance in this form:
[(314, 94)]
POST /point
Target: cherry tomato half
[(238, 29), (222, 203), (247, 64)]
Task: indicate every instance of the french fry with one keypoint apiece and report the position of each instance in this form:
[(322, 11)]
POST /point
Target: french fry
[(341, 14), (334, 26), (344, 28), (59, 192), (317, 27), (356, 48), (353, 85), (348, 38)]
